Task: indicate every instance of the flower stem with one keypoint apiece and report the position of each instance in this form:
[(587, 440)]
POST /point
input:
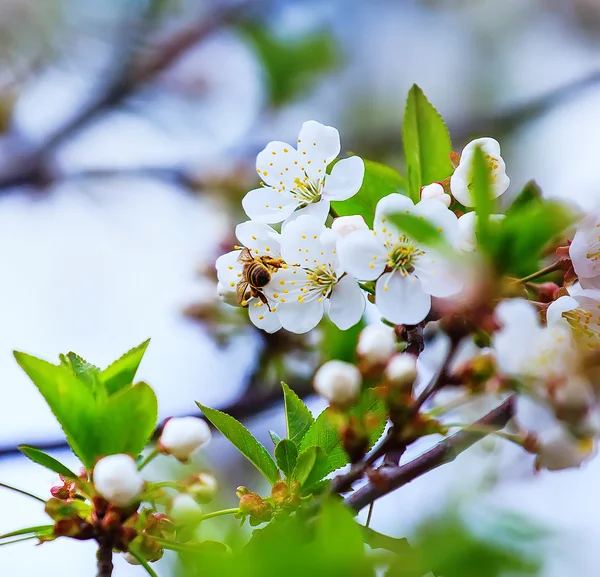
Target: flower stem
[(542, 272), (11, 488), (104, 557), (143, 563), (19, 540), (148, 459), (333, 213), (221, 513)]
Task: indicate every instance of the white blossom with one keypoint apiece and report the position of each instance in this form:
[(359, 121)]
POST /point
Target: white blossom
[(338, 382), (462, 179), (435, 191), (313, 281), (401, 371), (344, 225), (117, 479), (559, 450), (185, 511), (184, 435), (467, 237), (263, 241), (585, 251), (296, 178), (376, 343), (408, 273)]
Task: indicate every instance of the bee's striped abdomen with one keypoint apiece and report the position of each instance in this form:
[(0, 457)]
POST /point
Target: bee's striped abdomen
[(258, 275)]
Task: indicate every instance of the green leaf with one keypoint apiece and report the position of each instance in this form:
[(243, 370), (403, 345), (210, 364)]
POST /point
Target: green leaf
[(482, 195), (418, 228), (379, 181), (128, 420), (298, 418), (274, 437), (241, 438), (305, 463), (47, 461), (122, 372), (38, 530), (84, 371), (427, 145), (531, 194), (70, 400), (286, 455), (338, 344)]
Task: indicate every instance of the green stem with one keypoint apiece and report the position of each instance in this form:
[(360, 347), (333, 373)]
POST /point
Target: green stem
[(333, 212), (366, 288), (486, 431), (143, 563), (221, 513), (542, 272), (11, 488), (148, 459), (165, 484), (18, 540)]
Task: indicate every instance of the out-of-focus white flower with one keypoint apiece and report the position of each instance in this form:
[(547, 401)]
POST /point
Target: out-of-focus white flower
[(338, 382), (376, 343), (226, 295), (297, 178), (435, 191), (262, 241), (585, 251), (202, 487), (185, 511), (314, 281), (344, 225), (462, 179), (401, 371), (467, 238), (408, 274), (184, 435), (559, 450), (118, 480)]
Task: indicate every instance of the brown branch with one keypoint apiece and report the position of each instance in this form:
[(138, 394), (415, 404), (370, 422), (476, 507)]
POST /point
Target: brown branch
[(390, 479), (104, 557)]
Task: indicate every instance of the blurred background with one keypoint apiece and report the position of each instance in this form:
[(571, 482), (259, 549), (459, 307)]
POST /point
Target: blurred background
[(128, 133)]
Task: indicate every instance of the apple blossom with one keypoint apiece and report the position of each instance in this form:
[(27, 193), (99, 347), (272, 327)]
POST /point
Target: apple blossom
[(435, 191), (376, 343), (401, 371), (182, 436), (408, 273), (118, 480), (461, 180), (184, 510), (297, 178), (338, 382), (585, 251), (344, 225)]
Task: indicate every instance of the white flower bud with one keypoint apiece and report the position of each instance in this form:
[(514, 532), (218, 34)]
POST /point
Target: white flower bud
[(435, 191), (130, 558), (185, 511), (338, 382), (344, 225), (401, 371), (376, 343), (559, 450), (202, 487), (227, 296), (182, 436), (118, 480)]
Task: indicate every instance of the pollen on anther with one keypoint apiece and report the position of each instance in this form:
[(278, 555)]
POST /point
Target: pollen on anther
[(230, 267), (315, 236), (280, 207), (320, 299), (231, 284), (281, 282), (285, 150), (300, 299), (372, 265), (268, 248), (281, 300), (265, 173), (275, 295), (303, 236), (253, 237), (261, 317)]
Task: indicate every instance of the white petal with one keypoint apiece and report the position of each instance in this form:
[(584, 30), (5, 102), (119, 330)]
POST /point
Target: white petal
[(279, 165), (318, 145), (362, 255), (300, 240), (318, 210), (489, 145), (459, 184), (258, 236), (262, 318), (287, 284), (401, 300), (439, 276), (329, 240), (558, 307), (345, 179), (391, 204), (300, 317), (587, 234), (267, 205), (229, 269), (440, 216), (467, 240), (347, 303), (517, 313), (590, 283)]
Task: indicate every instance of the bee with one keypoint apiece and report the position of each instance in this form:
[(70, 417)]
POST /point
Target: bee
[(256, 274)]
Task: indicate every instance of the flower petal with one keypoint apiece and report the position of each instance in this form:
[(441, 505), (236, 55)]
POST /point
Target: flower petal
[(300, 317), (300, 241), (439, 276), (440, 216), (268, 205), (401, 299), (278, 164), (391, 204), (229, 269), (347, 303), (362, 255), (318, 145), (318, 210), (258, 237), (262, 317), (345, 179), (557, 308)]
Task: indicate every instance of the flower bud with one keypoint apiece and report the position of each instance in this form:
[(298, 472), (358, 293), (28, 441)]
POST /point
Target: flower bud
[(344, 225), (182, 436), (401, 371), (435, 191), (202, 487), (118, 480), (185, 511), (376, 343), (338, 382), (559, 450), (130, 558)]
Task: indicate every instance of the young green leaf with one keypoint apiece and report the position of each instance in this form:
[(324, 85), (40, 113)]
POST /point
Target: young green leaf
[(482, 194), (47, 461), (71, 402), (418, 229), (379, 181), (274, 437), (127, 420), (305, 463), (298, 418), (122, 372), (38, 530), (241, 438), (286, 455), (84, 371), (531, 194), (427, 145)]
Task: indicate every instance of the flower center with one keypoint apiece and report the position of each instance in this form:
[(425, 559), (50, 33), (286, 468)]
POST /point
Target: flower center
[(307, 190), (320, 279), (402, 255), (586, 327)]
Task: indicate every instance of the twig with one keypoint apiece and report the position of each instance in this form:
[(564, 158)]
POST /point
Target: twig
[(390, 479), (104, 557)]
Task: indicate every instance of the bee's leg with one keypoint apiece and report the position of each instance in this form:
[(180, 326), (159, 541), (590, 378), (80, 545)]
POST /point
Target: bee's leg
[(264, 299), (272, 262)]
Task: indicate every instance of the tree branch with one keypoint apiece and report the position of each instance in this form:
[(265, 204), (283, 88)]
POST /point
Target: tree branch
[(390, 479), (104, 557)]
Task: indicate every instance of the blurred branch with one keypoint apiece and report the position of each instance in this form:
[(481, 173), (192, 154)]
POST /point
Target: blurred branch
[(389, 479), (31, 167)]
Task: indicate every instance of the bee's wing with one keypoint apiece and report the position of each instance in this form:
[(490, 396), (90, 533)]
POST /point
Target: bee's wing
[(245, 256), (240, 290)]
